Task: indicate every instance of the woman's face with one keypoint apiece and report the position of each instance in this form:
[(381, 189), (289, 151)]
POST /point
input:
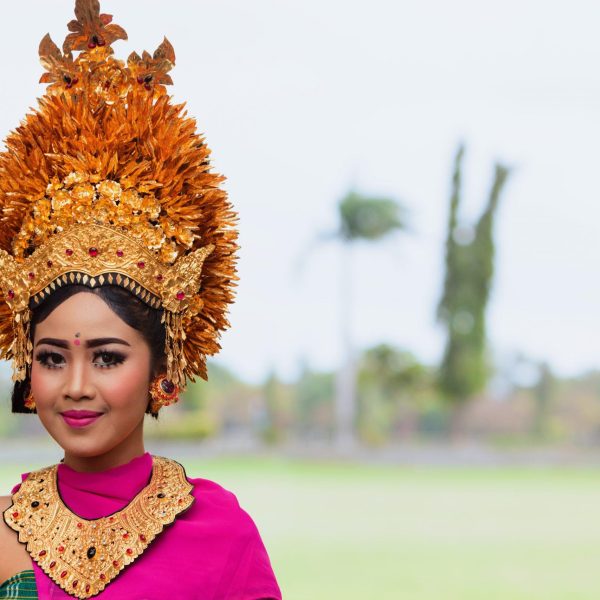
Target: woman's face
[(85, 358)]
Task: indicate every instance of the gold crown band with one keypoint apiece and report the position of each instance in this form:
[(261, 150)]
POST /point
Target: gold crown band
[(101, 255), (96, 255)]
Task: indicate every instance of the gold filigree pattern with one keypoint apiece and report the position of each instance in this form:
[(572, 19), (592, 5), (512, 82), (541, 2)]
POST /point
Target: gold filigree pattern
[(83, 556), (80, 198)]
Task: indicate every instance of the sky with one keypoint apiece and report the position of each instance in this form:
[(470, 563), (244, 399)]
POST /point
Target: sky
[(302, 100)]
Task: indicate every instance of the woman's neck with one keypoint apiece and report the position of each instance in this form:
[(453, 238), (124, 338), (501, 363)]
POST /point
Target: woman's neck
[(127, 450)]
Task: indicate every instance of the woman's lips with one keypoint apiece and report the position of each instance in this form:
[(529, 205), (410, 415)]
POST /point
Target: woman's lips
[(80, 418)]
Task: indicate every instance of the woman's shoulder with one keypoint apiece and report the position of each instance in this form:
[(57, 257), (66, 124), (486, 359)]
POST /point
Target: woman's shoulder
[(15, 557), (212, 495), (213, 492), (216, 504)]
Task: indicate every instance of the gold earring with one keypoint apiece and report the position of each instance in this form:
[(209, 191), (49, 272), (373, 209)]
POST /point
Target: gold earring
[(30, 402), (163, 392)]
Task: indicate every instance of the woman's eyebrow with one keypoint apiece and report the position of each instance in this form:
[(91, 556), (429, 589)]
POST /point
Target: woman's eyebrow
[(89, 344)]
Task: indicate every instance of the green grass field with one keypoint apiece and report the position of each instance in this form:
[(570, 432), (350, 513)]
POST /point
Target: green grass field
[(359, 532)]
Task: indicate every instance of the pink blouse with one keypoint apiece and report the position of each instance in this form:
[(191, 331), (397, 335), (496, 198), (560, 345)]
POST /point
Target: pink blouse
[(213, 551)]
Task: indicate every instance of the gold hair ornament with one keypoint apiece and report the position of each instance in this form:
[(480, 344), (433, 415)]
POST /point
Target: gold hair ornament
[(108, 183)]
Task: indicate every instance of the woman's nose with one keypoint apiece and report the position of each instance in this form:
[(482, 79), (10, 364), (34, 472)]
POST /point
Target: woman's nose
[(78, 384)]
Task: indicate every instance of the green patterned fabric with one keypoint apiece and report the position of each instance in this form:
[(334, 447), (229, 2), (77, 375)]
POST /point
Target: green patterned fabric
[(21, 585)]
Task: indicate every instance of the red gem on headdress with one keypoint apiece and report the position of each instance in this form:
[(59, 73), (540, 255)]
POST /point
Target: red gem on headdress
[(61, 548), (119, 253), (87, 588), (52, 564), (68, 252), (140, 79), (31, 275), (115, 563), (80, 525), (11, 294), (125, 536), (180, 295), (75, 583), (142, 537), (141, 264), (129, 551), (63, 574), (159, 277), (102, 576), (93, 251), (49, 263), (42, 553), (15, 515)]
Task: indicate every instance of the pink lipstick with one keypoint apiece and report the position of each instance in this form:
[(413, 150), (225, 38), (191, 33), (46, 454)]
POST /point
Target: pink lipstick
[(80, 418)]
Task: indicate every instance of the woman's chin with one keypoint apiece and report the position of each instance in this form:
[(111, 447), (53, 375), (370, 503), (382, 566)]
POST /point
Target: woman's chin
[(78, 443), (87, 449)]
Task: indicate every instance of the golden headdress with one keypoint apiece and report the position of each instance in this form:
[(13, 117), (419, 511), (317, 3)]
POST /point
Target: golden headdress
[(108, 183)]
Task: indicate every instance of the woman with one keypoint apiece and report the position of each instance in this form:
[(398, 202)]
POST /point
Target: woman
[(116, 270)]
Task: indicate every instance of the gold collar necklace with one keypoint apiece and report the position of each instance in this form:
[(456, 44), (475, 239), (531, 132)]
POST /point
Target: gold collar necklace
[(83, 556)]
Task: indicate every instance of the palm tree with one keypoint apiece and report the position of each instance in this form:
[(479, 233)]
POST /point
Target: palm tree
[(361, 218)]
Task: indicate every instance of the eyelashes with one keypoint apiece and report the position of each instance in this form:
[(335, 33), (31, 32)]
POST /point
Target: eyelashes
[(55, 360)]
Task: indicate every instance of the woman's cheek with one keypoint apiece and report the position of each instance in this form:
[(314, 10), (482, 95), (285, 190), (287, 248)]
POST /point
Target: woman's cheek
[(45, 385), (125, 385)]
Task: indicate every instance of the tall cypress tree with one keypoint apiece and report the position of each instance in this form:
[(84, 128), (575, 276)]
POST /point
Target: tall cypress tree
[(465, 370)]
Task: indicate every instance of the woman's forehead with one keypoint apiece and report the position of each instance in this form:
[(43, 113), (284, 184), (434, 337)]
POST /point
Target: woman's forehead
[(85, 314)]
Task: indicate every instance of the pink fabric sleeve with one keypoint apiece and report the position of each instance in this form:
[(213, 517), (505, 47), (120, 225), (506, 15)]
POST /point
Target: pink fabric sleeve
[(248, 574)]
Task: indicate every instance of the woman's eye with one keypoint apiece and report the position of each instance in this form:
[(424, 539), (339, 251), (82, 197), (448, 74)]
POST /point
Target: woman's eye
[(108, 359), (52, 360)]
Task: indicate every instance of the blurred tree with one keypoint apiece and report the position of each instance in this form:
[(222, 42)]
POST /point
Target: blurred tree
[(391, 386), (370, 219), (278, 402), (544, 393), (223, 404), (464, 370), (314, 404)]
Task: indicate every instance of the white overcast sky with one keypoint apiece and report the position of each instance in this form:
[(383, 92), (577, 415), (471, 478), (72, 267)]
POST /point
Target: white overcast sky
[(300, 99)]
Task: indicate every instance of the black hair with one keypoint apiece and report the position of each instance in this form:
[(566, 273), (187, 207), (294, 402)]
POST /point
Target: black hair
[(134, 312)]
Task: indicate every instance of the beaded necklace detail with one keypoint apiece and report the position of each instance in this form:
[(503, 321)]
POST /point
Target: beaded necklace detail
[(83, 556)]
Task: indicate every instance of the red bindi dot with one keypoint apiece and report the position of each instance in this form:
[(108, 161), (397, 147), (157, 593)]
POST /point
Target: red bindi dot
[(77, 342)]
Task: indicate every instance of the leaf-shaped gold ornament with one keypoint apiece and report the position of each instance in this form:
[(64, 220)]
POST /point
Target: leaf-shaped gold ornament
[(151, 70), (61, 70), (91, 30)]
